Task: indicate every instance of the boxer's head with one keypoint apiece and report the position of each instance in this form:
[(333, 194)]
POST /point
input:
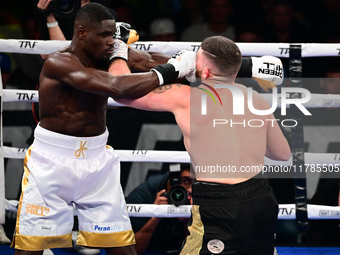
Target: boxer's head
[(94, 27), (218, 56)]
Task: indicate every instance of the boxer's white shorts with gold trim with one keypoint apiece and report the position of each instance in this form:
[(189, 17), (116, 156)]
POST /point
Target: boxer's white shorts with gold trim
[(61, 171)]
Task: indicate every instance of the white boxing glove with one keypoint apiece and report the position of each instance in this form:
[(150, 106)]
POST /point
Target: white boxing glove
[(181, 64), (184, 62), (120, 50), (267, 71)]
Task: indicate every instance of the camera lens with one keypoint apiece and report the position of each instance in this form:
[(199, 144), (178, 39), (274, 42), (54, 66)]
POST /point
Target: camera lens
[(66, 6), (178, 195)]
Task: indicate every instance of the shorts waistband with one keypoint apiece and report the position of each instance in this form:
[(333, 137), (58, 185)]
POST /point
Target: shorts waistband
[(57, 144), (211, 193)]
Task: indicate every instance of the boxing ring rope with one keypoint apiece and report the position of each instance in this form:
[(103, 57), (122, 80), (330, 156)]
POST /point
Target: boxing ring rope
[(282, 50), (247, 49), (316, 101), (183, 157), (286, 211)]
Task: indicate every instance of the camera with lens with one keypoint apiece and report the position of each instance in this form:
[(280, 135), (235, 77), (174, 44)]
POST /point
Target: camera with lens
[(177, 194), (64, 8)]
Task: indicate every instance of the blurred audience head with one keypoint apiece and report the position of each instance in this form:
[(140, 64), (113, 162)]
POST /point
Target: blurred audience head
[(249, 33), (219, 11), (162, 29), (281, 15), (124, 12)]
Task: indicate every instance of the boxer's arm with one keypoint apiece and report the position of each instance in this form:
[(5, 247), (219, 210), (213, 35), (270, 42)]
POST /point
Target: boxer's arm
[(277, 145), (66, 69), (266, 70), (250, 66), (169, 98), (143, 61), (246, 68), (119, 67), (143, 236)]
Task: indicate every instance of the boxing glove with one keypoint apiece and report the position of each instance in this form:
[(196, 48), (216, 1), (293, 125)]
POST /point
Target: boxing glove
[(267, 71), (181, 64), (125, 33), (120, 50)]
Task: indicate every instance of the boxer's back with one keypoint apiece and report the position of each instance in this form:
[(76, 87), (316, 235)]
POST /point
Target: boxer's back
[(225, 147)]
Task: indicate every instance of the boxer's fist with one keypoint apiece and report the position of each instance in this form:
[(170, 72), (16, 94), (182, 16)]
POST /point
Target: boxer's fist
[(181, 64), (124, 33), (184, 62), (267, 71), (120, 50)]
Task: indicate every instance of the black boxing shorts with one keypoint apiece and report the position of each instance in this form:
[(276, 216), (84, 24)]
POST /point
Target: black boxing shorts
[(232, 219)]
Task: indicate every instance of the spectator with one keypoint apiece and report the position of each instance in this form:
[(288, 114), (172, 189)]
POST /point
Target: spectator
[(162, 30), (61, 29), (157, 234), (190, 14), (284, 26), (64, 24), (250, 33), (219, 12)]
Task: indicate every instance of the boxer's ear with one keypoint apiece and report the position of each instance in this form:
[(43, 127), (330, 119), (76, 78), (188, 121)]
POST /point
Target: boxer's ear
[(81, 32), (205, 73)]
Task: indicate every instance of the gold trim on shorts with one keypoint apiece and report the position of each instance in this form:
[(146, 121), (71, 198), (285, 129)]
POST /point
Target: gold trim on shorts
[(30, 243), (23, 188), (117, 239), (194, 241)]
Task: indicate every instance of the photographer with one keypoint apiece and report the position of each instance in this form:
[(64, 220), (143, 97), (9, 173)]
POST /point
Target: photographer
[(49, 26), (56, 18), (160, 234)]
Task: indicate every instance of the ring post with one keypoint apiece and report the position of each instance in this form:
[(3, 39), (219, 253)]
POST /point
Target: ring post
[(2, 168), (297, 139)]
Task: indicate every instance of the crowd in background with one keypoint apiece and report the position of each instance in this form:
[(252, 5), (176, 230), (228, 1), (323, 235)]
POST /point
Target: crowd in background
[(270, 21), (245, 20)]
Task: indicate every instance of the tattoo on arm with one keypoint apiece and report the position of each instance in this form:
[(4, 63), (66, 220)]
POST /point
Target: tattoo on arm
[(162, 89)]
